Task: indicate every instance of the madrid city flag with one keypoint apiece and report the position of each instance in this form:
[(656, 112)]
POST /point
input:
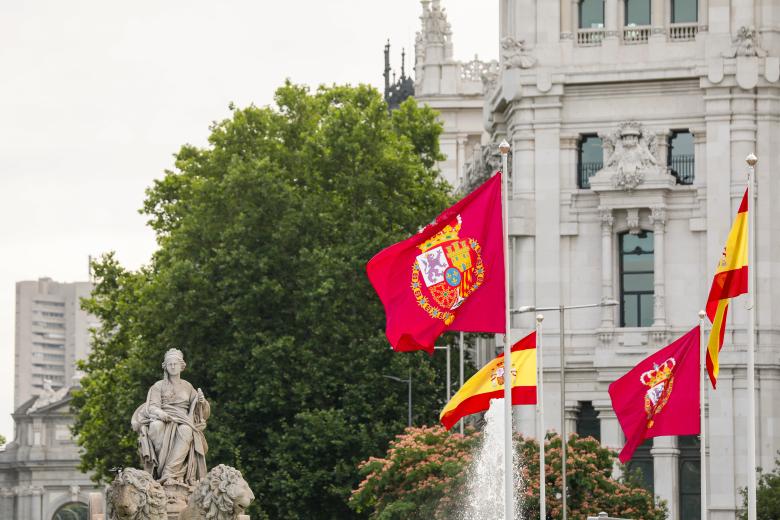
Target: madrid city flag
[(449, 276), (660, 395), (731, 279), (475, 394)]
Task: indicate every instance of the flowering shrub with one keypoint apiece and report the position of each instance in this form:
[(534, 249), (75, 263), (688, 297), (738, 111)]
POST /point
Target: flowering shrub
[(424, 471)]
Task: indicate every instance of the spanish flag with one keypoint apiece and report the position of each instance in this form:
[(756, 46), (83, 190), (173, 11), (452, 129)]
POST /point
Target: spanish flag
[(731, 279), (488, 383)]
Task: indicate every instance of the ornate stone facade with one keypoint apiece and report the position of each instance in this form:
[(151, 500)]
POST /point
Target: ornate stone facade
[(39, 474), (716, 77)]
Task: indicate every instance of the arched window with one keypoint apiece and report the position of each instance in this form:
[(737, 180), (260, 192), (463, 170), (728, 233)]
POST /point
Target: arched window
[(72, 511), (636, 279)]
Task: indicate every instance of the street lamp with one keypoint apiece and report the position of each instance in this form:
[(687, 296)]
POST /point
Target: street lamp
[(409, 382), (606, 302)]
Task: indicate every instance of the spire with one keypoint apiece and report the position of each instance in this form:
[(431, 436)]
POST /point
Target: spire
[(387, 67), (403, 63)]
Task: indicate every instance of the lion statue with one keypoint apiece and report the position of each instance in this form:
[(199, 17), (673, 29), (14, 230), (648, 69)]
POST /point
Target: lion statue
[(222, 494), (135, 495)]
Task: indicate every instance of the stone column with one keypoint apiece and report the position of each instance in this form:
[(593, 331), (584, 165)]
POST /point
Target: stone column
[(662, 142), (658, 218), (703, 14), (657, 18), (36, 503), (699, 155), (721, 438), (666, 474), (572, 411), (566, 27), (569, 162), (7, 502), (611, 18), (607, 220), (611, 433), (575, 16)]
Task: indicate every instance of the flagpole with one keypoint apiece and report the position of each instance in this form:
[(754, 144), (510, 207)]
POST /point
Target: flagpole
[(540, 413), (508, 452), (703, 430), (751, 361), (461, 375)]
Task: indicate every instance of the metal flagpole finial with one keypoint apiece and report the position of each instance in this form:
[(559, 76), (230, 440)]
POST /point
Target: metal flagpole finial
[(702, 315), (503, 147), (539, 318), (751, 159)]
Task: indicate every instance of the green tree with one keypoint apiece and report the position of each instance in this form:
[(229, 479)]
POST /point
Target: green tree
[(767, 495), (2, 440), (423, 476), (260, 279)]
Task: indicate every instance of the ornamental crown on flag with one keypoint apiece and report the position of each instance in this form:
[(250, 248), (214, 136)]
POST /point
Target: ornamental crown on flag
[(660, 395), (449, 276), (475, 394), (730, 280)]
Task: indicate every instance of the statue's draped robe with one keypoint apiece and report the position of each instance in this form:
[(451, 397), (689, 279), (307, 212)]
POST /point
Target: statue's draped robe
[(176, 449)]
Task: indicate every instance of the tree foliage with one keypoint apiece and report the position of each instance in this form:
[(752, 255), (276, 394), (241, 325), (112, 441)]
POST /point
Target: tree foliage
[(423, 476), (767, 495), (260, 279)]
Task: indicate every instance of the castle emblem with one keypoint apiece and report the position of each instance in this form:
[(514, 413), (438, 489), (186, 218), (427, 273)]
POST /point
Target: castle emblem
[(446, 272), (660, 381)]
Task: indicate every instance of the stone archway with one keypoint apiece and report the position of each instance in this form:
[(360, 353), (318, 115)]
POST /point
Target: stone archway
[(72, 511)]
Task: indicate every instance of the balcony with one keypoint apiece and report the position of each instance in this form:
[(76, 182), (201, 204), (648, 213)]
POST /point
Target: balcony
[(683, 32), (586, 170), (633, 34), (590, 37), (682, 167)]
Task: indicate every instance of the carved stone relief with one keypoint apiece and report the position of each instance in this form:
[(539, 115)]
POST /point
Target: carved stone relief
[(630, 153), (514, 54)]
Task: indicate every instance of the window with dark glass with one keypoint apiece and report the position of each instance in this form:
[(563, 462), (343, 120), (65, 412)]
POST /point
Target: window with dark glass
[(588, 424), (684, 11), (689, 466), (591, 14), (637, 12), (590, 159), (641, 465), (681, 156), (636, 279)]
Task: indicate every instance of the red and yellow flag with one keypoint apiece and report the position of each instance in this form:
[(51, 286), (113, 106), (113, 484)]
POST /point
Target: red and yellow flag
[(731, 279), (476, 393)]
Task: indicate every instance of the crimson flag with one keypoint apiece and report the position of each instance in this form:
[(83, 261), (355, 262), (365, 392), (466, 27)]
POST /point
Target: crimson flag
[(449, 276), (660, 395)]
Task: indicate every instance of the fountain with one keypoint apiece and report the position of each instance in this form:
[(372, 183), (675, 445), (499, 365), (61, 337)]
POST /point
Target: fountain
[(485, 480)]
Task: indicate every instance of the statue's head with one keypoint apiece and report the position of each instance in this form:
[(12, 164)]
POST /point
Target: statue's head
[(173, 364), (222, 494), (135, 495)]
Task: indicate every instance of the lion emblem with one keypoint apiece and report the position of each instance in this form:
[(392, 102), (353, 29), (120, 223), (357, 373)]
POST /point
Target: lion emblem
[(135, 495), (222, 494)]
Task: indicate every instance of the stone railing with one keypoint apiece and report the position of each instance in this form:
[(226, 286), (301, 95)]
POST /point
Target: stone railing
[(636, 34), (590, 37), (681, 32)]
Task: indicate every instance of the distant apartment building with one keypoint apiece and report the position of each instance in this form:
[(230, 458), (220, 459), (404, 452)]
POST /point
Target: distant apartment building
[(52, 332)]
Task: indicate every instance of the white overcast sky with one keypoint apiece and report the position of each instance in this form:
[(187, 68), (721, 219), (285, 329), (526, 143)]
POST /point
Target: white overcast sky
[(96, 96)]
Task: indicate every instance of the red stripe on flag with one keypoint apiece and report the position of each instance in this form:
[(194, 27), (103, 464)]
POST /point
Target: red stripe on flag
[(727, 284), (481, 402)]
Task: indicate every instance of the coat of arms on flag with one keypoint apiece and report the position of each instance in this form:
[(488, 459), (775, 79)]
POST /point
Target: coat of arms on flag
[(446, 272), (660, 380)]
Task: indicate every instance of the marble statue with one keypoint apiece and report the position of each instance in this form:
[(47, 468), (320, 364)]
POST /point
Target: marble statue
[(170, 427), (222, 495)]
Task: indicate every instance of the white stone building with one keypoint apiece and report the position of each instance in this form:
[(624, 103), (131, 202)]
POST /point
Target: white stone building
[(39, 479), (52, 332), (630, 121)]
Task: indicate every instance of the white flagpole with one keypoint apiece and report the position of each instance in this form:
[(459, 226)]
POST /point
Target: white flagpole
[(461, 376), (509, 501), (702, 394), (540, 413), (751, 361)]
